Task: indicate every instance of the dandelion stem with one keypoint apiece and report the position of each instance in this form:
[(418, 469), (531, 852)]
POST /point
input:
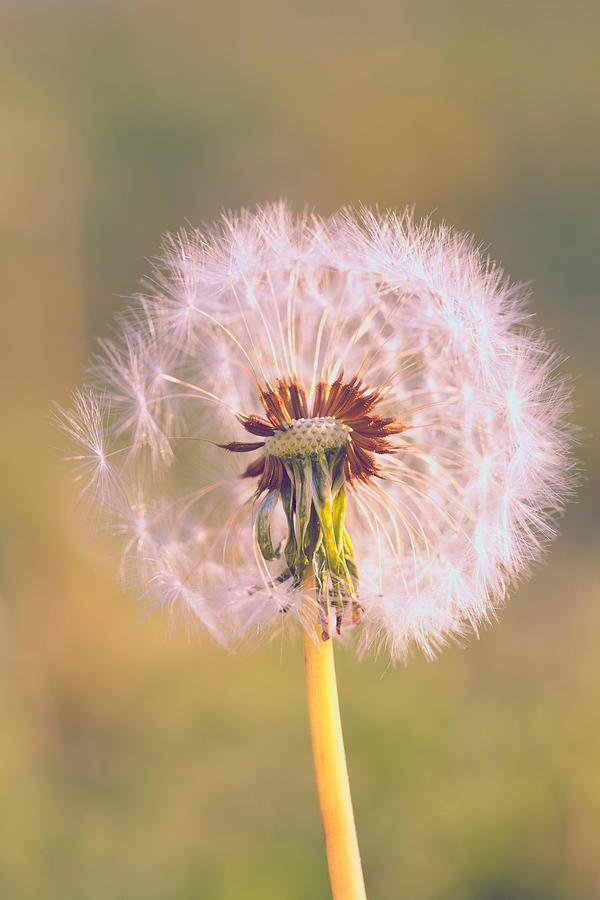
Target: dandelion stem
[(341, 843)]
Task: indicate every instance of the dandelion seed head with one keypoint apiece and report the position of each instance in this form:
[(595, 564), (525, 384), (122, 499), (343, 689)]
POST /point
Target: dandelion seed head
[(362, 396)]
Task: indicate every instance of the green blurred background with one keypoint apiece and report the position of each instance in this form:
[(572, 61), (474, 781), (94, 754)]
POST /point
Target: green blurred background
[(135, 763)]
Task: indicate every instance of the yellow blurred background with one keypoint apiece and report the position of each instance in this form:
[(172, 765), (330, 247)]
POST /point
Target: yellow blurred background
[(135, 763)]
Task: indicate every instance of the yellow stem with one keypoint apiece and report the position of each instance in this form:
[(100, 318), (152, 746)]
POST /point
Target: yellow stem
[(343, 855)]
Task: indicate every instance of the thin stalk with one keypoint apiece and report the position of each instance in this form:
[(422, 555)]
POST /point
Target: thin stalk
[(341, 843)]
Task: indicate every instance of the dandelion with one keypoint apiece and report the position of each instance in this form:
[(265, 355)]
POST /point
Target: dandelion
[(348, 422)]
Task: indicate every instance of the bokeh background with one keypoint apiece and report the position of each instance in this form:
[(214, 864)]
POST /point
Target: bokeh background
[(135, 763)]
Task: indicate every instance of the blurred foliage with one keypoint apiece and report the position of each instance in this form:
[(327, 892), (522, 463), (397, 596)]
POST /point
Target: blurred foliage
[(134, 765)]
